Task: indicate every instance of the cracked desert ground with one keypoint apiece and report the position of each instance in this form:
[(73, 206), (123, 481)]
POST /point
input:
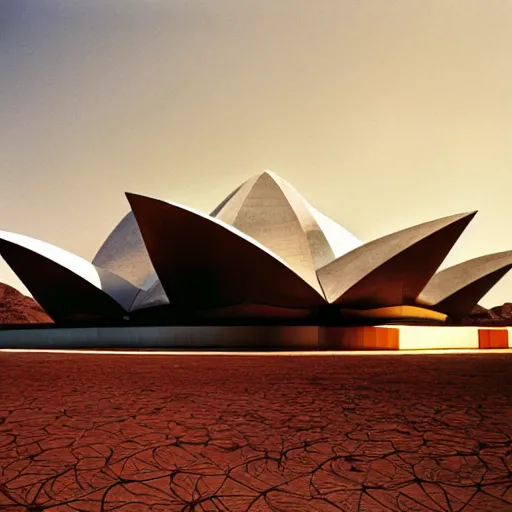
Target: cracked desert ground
[(105, 432)]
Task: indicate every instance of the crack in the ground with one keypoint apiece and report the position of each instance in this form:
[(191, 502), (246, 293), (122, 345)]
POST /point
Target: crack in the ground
[(224, 433)]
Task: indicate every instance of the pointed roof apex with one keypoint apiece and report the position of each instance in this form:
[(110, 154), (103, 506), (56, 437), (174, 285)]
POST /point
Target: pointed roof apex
[(267, 173)]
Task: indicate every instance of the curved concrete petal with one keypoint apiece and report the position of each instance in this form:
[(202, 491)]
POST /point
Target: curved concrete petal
[(262, 210), (65, 285), (124, 253), (341, 240), (153, 297), (230, 205), (319, 247), (456, 290), (394, 269), (203, 262), (272, 211)]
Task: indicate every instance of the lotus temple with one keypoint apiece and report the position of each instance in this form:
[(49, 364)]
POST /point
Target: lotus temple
[(264, 269)]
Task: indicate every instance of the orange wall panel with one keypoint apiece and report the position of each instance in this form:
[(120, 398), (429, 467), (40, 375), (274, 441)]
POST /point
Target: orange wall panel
[(360, 338), (492, 338)]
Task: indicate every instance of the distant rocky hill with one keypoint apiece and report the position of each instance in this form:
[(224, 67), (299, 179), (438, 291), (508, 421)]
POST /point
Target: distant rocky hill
[(503, 311), (16, 308), (498, 315)]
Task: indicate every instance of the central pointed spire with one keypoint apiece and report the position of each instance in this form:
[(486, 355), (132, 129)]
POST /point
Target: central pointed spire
[(270, 210)]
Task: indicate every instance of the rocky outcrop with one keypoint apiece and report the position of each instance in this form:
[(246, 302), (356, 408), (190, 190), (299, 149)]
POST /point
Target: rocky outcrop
[(504, 311), (16, 308), (496, 316)]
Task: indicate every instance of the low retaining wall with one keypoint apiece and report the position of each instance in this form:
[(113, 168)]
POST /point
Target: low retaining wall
[(261, 338), (159, 337)]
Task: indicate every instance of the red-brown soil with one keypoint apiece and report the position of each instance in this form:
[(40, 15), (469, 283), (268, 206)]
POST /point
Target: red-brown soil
[(16, 308), (86, 432)]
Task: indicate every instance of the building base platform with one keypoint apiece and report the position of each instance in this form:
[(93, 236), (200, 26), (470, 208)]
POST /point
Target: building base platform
[(266, 338)]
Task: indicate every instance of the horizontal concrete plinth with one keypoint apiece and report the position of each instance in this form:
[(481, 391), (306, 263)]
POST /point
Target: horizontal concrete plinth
[(186, 337), (412, 338), (261, 337), (409, 337)]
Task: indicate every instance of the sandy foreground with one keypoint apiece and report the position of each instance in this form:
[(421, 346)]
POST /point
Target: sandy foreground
[(124, 432)]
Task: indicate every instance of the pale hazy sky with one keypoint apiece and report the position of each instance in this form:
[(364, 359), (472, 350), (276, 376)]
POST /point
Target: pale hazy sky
[(382, 113)]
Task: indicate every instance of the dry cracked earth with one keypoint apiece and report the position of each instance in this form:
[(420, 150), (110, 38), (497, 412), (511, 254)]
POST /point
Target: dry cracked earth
[(86, 432)]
